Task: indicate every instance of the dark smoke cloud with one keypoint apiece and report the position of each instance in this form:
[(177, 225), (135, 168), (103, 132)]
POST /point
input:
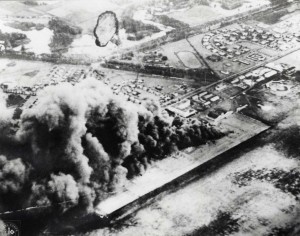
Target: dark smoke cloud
[(84, 141)]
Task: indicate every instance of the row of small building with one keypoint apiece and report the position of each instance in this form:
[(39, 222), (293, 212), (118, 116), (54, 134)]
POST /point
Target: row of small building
[(264, 73), (184, 108), (206, 98), (9, 88), (218, 41)]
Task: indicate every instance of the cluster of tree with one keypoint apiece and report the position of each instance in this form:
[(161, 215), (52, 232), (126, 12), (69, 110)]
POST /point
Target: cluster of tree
[(14, 39), (137, 28), (274, 17), (63, 36), (60, 26), (26, 26), (15, 100), (279, 2), (297, 76), (31, 2), (169, 21), (60, 42), (203, 2)]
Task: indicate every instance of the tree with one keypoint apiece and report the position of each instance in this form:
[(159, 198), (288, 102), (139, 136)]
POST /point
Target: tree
[(23, 50), (164, 58)]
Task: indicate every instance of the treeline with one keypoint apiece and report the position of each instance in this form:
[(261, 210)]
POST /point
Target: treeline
[(26, 26), (14, 39), (63, 36), (169, 21), (161, 70), (53, 58), (60, 26)]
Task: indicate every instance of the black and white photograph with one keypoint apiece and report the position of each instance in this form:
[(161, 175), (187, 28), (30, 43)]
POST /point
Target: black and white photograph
[(150, 117)]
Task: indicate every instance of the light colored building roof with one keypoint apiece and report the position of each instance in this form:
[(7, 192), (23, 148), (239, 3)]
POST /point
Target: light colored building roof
[(270, 74)]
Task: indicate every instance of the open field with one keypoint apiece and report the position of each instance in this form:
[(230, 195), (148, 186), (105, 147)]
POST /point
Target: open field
[(17, 74), (192, 18), (12, 8), (271, 106), (201, 14), (189, 59), (175, 56), (289, 23), (283, 21), (39, 39), (291, 59), (26, 73)]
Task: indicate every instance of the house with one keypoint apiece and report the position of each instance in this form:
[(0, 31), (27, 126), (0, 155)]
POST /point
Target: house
[(261, 78), (195, 98), (236, 80), (270, 74), (215, 98), (186, 113), (248, 75), (242, 77), (220, 87), (202, 94), (208, 96), (273, 66), (240, 108)]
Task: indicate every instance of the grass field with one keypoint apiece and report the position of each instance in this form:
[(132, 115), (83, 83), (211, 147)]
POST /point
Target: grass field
[(200, 14), (189, 59), (269, 106), (196, 15), (26, 73), (18, 74), (183, 60), (291, 59)]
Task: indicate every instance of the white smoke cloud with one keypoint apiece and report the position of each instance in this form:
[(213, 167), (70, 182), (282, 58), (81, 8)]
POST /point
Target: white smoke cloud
[(12, 175)]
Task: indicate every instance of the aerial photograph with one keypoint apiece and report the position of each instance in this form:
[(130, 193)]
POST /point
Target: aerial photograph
[(150, 117)]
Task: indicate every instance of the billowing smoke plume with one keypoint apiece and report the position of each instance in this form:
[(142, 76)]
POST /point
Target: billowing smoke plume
[(84, 141), (12, 175), (2, 228), (5, 115)]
